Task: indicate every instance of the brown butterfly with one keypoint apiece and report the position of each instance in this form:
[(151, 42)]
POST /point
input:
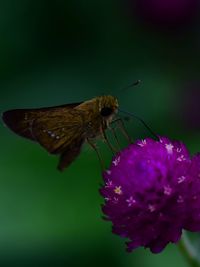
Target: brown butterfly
[(62, 130)]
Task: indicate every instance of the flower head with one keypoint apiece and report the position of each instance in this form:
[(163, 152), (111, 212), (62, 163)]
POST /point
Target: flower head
[(152, 192)]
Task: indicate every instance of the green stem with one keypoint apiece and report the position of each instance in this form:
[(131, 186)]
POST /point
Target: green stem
[(188, 251)]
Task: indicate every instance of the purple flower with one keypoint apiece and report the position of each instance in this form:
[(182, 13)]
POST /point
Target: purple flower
[(152, 192)]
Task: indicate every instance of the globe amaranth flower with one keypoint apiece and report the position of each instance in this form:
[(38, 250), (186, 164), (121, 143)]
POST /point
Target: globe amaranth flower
[(152, 193)]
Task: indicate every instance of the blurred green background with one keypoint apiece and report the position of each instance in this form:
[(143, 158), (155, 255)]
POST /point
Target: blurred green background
[(57, 52)]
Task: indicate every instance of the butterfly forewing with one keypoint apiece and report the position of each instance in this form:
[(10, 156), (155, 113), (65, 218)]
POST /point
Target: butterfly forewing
[(55, 131), (21, 120)]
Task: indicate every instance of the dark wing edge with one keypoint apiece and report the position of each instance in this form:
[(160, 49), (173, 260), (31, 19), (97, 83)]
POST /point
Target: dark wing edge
[(15, 121)]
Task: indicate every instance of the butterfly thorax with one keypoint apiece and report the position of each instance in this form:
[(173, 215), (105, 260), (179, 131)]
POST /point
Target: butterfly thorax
[(97, 114)]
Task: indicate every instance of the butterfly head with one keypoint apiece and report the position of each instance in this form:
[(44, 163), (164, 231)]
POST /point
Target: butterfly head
[(108, 106)]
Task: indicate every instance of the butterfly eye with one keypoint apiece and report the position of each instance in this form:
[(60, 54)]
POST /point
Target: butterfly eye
[(106, 111)]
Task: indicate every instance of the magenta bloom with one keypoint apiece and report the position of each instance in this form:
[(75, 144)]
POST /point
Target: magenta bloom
[(152, 192)]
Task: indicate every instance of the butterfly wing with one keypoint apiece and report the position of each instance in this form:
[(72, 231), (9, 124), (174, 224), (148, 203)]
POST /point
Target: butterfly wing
[(21, 121), (57, 130), (70, 153), (61, 134)]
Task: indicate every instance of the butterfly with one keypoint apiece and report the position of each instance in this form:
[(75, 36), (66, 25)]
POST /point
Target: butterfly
[(62, 130)]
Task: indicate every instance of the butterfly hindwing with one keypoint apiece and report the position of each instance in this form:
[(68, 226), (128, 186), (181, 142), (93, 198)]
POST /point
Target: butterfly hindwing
[(70, 153)]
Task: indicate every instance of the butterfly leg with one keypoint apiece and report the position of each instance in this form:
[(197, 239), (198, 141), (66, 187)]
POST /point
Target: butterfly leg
[(121, 126), (113, 129), (97, 152), (112, 148)]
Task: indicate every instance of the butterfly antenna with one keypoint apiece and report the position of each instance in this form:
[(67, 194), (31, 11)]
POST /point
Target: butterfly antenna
[(141, 120), (131, 85)]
